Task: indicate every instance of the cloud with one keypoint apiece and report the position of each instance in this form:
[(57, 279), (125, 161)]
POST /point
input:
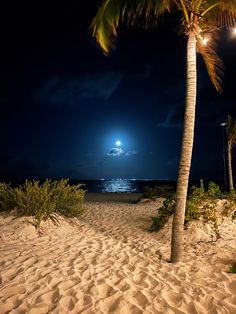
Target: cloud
[(174, 118), (100, 85), (146, 72), (59, 90), (131, 153), (22, 167), (115, 152), (173, 161)]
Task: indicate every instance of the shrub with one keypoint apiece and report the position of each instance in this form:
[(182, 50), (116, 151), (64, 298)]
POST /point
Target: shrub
[(6, 197), (68, 199), (195, 200), (35, 199), (234, 215), (230, 205), (214, 191), (158, 191), (164, 213), (45, 200), (232, 269), (200, 204)]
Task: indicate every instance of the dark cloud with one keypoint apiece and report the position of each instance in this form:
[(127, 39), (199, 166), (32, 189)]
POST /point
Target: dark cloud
[(131, 153), (100, 85), (22, 168), (58, 90), (174, 118), (115, 152), (146, 72), (173, 161)]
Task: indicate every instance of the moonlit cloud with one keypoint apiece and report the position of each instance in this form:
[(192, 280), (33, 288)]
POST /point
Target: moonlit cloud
[(102, 85), (131, 153), (115, 152), (60, 90), (173, 119)]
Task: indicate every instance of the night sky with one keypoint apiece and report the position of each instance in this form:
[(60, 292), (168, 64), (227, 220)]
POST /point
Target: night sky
[(64, 104)]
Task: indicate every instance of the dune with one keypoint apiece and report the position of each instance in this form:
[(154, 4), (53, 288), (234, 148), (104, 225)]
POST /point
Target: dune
[(108, 262)]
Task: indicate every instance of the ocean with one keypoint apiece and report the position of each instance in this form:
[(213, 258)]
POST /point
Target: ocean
[(117, 185), (120, 185), (130, 185)]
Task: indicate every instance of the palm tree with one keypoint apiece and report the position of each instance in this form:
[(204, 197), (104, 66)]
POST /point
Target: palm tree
[(231, 140), (200, 21)]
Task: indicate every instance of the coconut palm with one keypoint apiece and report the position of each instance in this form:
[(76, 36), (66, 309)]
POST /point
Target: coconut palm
[(199, 21), (231, 140)]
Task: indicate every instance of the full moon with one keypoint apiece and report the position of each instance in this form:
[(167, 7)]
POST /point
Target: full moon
[(118, 143)]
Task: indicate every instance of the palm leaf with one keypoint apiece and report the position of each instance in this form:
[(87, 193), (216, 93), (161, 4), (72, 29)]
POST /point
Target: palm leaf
[(222, 12), (112, 12), (212, 60)]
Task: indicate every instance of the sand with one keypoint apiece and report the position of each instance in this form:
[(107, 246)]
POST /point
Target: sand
[(108, 262)]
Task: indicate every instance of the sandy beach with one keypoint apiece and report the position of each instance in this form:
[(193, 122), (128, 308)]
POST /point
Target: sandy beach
[(108, 262)]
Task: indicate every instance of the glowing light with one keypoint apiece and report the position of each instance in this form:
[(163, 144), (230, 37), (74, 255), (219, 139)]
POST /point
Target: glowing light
[(205, 41), (118, 143), (234, 31)]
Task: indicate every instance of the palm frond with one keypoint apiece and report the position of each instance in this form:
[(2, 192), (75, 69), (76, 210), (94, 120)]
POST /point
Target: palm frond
[(222, 12), (112, 12), (212, 60)]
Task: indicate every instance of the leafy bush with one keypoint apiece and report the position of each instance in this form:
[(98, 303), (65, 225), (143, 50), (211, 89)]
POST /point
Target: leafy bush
[(234, 215), (230, 205), (200, 204), (214, 191), (158, 191), (68, 199), (6, 197), (164, 213), (195, 200), (43, 201), (233, 269), (35, 199)]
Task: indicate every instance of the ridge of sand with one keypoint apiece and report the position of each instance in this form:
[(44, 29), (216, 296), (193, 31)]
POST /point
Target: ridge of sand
[(107, 262)]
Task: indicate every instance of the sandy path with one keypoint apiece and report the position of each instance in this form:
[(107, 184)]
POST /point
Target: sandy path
[(109, 263)]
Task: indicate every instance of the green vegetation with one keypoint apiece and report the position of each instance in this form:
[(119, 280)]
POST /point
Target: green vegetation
[(200, 204), (155, 192), (230, 206), (233, 269), (164, 213), (6, 197), (43, 201)]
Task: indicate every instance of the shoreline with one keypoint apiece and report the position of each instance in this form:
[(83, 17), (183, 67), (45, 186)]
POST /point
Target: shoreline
[(113, 197)]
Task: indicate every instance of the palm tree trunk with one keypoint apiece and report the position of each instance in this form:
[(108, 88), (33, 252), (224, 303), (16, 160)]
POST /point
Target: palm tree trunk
[(186, 152), (231, 184)]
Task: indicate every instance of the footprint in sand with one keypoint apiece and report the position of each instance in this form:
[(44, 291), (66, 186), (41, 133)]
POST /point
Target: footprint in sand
[(67, 303), (172, 298), (54, 281), (231, 300), (123, 286), (6, 307), (140, 299), (140, 279), (105, 290), (232, 287), (12, 291)]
